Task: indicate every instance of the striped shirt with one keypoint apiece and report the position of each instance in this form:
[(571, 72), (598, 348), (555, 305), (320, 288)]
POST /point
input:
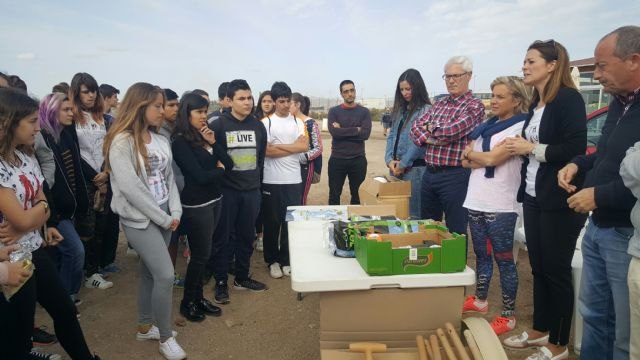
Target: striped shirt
[(445, 128)]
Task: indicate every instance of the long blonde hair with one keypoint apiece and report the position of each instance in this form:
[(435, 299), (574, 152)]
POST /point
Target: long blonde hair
[(131, 121)]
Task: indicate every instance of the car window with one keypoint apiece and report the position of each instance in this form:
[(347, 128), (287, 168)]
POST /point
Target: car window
[(594, 128)]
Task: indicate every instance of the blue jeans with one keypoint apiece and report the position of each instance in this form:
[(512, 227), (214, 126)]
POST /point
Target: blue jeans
[(414, 175), (71, 261), (445, 191), (604, 293)]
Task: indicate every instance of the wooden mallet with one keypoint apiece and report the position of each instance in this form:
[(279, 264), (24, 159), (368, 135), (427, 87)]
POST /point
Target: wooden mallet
[(367, 349)]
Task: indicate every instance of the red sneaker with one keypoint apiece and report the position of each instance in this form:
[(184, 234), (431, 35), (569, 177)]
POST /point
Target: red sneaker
[(472, 304), (502, 324)]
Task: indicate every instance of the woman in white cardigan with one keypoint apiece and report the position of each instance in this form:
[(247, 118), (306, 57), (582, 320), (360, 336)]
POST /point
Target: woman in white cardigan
[(146, 197)]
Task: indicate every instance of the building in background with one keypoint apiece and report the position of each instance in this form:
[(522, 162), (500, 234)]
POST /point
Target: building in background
[(591, 90)]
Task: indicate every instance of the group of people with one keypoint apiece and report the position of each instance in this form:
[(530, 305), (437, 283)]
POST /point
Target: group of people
[(164, 167), (531, 150)]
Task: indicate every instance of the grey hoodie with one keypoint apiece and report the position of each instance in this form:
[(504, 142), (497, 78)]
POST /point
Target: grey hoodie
[(630, 173), (132, 198)]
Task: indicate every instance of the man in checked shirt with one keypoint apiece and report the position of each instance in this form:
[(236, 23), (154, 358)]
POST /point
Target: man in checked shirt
[(444, 131)]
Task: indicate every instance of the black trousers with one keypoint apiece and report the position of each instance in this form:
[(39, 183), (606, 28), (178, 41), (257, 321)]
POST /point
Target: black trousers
[(45, 287), (235, 233), (200, 224), (275, 199), (339, 170), (551, 241), (16, 321), (111, 233)]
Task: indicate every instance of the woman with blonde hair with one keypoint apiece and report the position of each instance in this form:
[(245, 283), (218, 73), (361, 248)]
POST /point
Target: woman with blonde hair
[(491, 198), (554, 133), (146, 198)]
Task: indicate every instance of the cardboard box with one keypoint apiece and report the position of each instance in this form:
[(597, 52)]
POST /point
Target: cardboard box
[(394, 192), (379, 210), (387, 256), (392, 316)]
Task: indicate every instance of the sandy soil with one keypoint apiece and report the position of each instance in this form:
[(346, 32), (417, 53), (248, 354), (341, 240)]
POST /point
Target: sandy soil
[(268, 325)]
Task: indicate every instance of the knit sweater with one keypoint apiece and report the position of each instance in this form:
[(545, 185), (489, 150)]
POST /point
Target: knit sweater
[(355, 127), (132, 198)]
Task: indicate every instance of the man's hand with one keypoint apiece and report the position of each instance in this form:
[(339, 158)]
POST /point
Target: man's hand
[(53, 237), (467, 150), (8, 234), (17, 274), (6, 250), (583, 201), (335, 125), (566, 176)]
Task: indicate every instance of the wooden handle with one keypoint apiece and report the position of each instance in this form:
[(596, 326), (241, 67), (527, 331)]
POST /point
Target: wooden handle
[(367, 348), (473, 346), (422, 350), (453, 334), (445, 344), (435, 346), (427, 344)]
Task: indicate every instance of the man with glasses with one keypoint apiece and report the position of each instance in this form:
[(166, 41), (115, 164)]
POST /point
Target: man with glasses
[(444, 132)]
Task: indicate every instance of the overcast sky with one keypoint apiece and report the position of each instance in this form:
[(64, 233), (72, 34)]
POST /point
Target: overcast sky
[(310, 44)]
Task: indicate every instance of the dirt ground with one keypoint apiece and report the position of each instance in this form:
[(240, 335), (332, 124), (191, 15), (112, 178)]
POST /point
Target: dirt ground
[(268, 325)]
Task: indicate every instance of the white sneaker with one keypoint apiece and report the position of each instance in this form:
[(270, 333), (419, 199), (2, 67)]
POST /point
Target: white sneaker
[(259, 244), (275, 271), (152, 334), (171, 350), (286, 270), (96, 281)]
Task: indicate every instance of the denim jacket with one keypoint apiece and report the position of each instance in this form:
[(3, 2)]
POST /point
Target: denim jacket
[(407, 151)]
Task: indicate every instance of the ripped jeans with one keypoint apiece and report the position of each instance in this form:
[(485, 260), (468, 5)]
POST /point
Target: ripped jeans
[(492, 235)]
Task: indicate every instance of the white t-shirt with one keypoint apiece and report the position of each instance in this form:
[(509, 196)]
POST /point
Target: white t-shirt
[(496, 194), (25, 180), (158, 162), (532, 133), (90, 139), (285, 169)]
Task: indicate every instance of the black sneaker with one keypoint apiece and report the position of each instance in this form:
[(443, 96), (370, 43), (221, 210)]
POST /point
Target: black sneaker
[(249, 284), (221, 293), (37, 354), (42, 338)]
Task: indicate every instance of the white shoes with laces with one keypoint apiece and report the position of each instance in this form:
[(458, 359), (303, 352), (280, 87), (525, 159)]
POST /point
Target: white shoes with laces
[(275, 271), (171, 350)]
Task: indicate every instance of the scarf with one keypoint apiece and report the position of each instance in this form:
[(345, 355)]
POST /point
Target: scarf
[(489, 128)]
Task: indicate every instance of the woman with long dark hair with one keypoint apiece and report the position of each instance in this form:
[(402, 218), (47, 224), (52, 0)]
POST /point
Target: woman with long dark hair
[(404, 159), (299, 108), (203, 164), (146, 197), (555, 132), (265, 105), (91, 128)]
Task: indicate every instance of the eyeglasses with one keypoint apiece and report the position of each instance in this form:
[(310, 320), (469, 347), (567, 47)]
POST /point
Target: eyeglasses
[(456, 77)]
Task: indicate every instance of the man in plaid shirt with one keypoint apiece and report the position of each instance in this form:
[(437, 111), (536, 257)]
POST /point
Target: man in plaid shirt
[(443, 131)]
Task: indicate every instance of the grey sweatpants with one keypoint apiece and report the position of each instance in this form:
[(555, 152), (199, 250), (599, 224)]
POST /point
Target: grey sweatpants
[(155, 287)]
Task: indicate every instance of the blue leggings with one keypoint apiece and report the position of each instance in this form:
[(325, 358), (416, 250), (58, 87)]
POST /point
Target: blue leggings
[(492, 233)]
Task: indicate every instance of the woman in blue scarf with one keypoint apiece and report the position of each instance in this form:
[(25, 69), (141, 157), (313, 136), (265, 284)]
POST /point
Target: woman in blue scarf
[(404, 159), (491, 198)]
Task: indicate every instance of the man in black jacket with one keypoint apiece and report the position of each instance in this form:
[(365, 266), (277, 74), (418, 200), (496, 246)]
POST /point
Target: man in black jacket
[(604, 295)]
